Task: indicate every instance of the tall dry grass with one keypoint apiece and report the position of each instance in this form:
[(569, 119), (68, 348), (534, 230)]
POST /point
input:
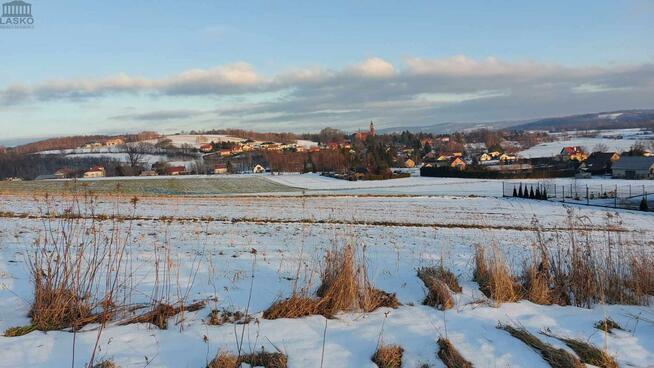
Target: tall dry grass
[(494, 277), (344, 288)]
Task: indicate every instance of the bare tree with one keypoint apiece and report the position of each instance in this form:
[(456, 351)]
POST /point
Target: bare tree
[(601, 147), (135, 154)]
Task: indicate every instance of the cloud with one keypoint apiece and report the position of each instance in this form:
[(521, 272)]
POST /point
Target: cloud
[(160, 115), (417, 91)]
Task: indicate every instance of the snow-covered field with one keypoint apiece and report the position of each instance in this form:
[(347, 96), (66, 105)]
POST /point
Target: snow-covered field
[(209, 242)]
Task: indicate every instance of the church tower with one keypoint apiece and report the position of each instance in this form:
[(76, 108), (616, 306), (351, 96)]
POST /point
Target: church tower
[(372, 129)]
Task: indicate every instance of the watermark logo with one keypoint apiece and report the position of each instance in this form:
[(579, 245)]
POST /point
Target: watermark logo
[(17, 14)]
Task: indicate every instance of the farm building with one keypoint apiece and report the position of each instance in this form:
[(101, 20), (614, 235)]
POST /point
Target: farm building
[(95, 172), (634, 167)]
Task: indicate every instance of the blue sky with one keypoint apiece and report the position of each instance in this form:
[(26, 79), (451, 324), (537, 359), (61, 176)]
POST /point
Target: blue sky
[(288, 65)]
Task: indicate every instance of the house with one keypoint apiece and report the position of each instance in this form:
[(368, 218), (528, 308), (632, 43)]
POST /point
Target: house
[(599, 163), (148, 173), (225, 152), (207, 147), (63, 173), (495, 154), (409, 163), (485, 157), (176, 170), (95, 172), (458, 163), (507, 158), (220, 169), (258, 169), (633, 167), (92, 145), (575, 153), (114, 142)]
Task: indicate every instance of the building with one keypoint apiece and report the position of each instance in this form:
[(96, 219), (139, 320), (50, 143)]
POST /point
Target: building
[(92, 145), (63, 173), (148, 173), (207, 147), (633, 167), (95, 172), (575, 153), (362, 136), (485, 157), (599, 163), (176, 170), (220, 169), (114, 142), (409, 163), (458, 163), (258, 169)]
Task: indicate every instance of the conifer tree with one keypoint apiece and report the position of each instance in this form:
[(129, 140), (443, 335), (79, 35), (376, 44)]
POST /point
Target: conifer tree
[(538, 194), (520, 191), (643, 205), (515, 192), (531, 192)]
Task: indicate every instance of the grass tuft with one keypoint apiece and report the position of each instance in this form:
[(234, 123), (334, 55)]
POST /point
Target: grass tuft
[(105, 364), (344, 287), (260, 359), (221, 317), (588, 353), (438, 292), (159, 315), (388, 356), (494, 278), (19, 331), (450, 356), (607, 325), (556, 358)]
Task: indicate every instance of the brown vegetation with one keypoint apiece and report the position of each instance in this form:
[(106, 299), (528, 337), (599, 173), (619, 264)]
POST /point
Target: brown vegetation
[(220, 317), (607, 325), (159, 315), (345, 287), (588, 353), (494, 277), (388, 356), (450, 356), (556, 358), (439, 281), (260, 359)]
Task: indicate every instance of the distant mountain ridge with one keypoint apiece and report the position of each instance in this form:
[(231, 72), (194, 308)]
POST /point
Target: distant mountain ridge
[(620, 119)]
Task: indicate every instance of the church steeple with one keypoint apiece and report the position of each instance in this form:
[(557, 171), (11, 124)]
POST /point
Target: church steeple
[(372, 128)]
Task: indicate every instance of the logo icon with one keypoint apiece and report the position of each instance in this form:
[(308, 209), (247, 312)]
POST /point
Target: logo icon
[(17, 14)]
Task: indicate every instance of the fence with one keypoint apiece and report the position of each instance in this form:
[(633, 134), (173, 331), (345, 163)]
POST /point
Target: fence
[(604, 194)]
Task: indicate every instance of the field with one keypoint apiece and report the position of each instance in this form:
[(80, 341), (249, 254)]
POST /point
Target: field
[(187, 185), (243, 253)]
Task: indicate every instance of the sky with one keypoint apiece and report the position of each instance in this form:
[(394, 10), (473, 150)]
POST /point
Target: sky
[(123, 66)]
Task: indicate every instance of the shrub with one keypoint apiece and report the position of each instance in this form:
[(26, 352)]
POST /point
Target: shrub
[(494, 278), (438, 282), (259, 359)]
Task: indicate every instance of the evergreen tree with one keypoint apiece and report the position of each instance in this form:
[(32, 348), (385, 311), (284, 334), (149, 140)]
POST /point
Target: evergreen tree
[(538, 194), (544, 193), (515, 192), (520, 191), (643, 205), (531, 192)]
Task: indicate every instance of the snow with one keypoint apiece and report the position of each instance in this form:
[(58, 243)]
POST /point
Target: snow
[(550, 149), (400, 233)]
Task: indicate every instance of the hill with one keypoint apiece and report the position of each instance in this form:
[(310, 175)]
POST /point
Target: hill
[(622, 119)]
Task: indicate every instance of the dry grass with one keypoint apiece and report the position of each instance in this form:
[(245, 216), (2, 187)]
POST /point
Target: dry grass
[(494, 277), (438, 290), (221, 317), (159, 315), (19, 331), (105, 364), (450, 356), (344, 288), (556, 358), (260, 359), (388, 356), (607, 325), (588, 353)]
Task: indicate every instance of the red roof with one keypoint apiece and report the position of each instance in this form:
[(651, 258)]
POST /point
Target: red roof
[(220, 166)]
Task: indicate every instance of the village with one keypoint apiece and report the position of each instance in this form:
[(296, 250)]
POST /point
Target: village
[(362, 155)]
